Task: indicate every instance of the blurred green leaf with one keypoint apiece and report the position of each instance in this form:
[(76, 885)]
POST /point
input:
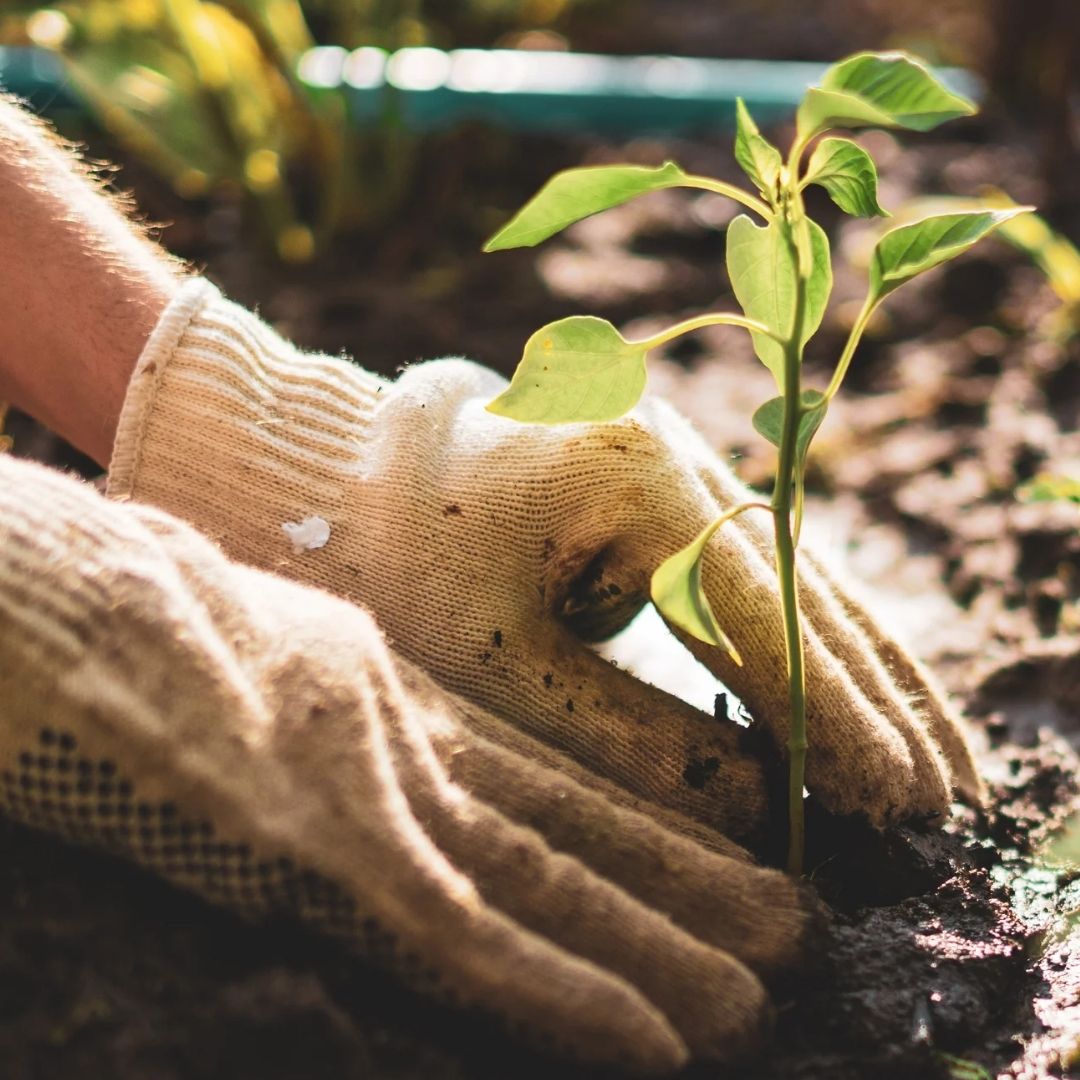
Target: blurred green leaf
[(206, 93), (1046, 487), (962, 1069)]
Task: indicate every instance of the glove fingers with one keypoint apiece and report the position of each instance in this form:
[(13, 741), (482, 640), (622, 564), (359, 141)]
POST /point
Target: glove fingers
[(344, 856), (716, 1004), (863, 758), (641, 738), (761, 917), (854, 740), (924, 696), (212, 748), (496, 732), (563, 1003), (869, 753), (866, 756)]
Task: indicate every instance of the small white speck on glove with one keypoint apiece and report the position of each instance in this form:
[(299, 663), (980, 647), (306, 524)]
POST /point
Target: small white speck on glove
[(307, 535)]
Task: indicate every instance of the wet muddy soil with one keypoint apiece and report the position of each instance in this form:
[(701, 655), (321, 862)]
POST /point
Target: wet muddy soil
[(950, 951)]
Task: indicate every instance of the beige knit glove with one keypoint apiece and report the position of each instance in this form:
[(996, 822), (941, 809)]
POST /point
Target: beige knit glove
[(480, 545), (257, 742)]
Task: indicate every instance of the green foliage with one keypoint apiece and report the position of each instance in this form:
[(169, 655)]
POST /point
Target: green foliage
[(206, 93), (392, 24), (574, 194), (887, 90), (905, 252), (781, 275), (1047, 487), (769, 421), (1057, 257), (848, 173), (757, 157), (678, 593), (762, 264), (576, 369), (960, 1068)]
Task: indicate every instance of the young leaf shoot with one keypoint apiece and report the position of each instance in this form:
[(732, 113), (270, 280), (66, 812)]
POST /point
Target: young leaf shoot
[(848, 173)]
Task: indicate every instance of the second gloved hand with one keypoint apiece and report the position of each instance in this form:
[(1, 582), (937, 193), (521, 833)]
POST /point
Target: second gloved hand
[(258, 743), (488, 549)]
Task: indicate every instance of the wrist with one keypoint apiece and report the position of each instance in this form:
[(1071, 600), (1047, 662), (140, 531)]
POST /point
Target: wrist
[(82, 287), (228, 426)]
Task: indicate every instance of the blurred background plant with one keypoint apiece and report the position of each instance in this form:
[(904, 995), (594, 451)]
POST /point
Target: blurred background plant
[(1050, 487), (207, 93)]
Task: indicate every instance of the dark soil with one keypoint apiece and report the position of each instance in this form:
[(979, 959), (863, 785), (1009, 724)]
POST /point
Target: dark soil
[(948, 943)]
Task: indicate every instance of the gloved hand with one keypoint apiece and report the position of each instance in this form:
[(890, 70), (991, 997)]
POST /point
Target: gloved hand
[(479, 544), (257, 742)]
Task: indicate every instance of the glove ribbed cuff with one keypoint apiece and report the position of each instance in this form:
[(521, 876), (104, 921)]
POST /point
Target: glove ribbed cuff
[(230, 427)]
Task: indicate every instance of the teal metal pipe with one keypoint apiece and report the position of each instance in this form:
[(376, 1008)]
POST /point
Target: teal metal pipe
[(427, 89)]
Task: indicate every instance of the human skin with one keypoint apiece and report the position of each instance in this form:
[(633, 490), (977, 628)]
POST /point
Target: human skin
[(80, 287)]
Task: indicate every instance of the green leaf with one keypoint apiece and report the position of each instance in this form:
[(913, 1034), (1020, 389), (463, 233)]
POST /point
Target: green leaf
[(905, 252), (762, 265), (870, 89), (769, 421), (1047, 487), (678, 594), (760, 160), (574, 194), (821, 110), (962, 1069), (847, 172), (574, 370)]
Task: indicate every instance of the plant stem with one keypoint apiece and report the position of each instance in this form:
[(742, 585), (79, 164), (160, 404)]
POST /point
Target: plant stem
[(701, 321), (785, 560), (731, 191), (734, 512), (849, 348), (800, 499)]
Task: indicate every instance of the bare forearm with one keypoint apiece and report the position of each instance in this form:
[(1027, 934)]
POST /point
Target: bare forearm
[(80, 288)]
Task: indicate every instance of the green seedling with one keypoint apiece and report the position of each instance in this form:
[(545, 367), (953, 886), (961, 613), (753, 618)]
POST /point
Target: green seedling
[(778, 261)]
